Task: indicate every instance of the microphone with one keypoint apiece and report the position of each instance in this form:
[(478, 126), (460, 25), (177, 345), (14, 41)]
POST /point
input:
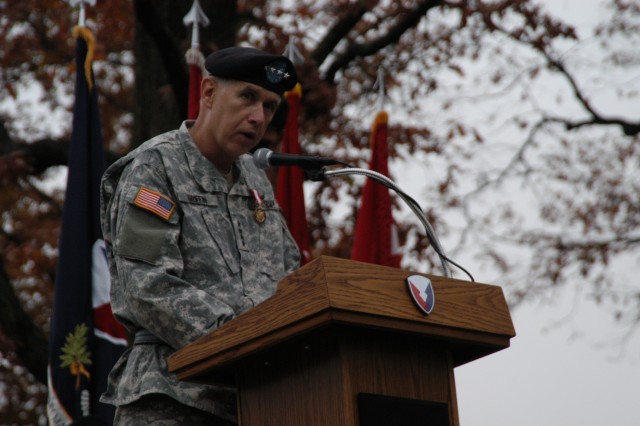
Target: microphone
[(264, 158)]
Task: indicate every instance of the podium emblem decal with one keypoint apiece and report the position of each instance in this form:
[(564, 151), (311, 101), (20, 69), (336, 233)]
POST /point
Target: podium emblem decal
[(421, 290)]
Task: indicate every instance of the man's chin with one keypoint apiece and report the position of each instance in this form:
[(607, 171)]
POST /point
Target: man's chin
[(249, 147)]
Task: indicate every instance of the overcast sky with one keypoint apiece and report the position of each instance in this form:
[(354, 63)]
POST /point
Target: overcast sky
[(565, 366), (550, 377)]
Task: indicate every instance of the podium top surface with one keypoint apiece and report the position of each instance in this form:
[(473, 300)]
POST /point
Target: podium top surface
[(473, 317)]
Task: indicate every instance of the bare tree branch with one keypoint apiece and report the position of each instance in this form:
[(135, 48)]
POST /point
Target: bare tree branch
[(339, 31), (391, 36), (567, 244), (628, 127)]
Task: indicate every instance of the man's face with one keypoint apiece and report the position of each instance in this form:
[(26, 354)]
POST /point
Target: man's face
[(241, 113)]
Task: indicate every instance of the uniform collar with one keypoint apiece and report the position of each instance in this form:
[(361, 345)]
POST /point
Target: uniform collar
[(204, 172)]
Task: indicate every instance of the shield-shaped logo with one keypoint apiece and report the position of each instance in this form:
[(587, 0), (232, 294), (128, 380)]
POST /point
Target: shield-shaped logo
[(421, 290)]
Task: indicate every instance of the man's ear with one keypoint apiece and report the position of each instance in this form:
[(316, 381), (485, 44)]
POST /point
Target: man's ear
[(207, 90)]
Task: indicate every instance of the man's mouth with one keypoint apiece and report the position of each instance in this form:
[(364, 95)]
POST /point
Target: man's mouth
[(249, 135)]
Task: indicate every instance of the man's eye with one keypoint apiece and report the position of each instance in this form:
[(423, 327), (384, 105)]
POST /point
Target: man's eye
[(249, 96), (271, 107)]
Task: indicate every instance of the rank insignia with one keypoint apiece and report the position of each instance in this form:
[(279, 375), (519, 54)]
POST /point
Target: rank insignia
[(422, 292), (276, 72)]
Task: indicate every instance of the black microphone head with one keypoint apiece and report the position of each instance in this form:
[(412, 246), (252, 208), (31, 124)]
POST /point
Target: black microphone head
[(261, 158)]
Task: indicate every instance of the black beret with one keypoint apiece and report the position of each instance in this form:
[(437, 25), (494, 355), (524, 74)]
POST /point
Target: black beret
[(273, 72)]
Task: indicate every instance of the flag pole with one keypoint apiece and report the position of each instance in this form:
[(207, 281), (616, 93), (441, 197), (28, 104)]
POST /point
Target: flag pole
[(379, 84), (292, 52), (81, 12), (195, 17)]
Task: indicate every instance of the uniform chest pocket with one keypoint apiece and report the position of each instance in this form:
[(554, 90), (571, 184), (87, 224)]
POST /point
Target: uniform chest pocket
[(209, 231), (271, 229), (222, 231), (262, 237)]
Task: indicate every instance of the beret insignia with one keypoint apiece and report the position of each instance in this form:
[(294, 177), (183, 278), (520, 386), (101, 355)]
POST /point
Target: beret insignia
[(276, 71)]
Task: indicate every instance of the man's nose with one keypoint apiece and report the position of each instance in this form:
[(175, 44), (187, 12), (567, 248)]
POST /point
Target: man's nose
[(257, 115)]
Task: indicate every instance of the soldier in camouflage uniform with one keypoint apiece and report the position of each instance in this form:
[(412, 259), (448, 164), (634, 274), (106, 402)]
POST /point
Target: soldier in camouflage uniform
[(194, 238)]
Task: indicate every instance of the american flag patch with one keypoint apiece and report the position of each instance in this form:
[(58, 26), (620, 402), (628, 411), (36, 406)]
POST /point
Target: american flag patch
[(155, 203)]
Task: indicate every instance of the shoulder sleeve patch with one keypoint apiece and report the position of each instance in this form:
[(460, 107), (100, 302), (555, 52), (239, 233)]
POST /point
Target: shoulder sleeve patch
[(154, 202)]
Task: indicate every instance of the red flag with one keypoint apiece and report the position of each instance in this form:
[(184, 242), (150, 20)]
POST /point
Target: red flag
[(375, 237), (195, 59), (289, 191)]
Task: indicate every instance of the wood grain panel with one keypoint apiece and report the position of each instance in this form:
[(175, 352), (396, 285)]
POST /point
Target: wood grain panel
[(472, 317)]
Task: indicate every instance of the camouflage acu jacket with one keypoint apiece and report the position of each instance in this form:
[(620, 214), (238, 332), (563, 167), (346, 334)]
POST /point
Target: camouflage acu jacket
[(186, 254)]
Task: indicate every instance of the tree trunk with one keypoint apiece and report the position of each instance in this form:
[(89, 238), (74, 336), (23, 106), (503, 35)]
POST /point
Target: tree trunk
[(31, 344), (161, 72)]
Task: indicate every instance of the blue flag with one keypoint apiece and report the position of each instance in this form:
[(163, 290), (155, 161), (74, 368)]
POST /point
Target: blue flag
[(85, 340)]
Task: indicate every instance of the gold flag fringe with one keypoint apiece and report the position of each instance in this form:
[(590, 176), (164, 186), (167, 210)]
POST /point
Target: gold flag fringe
[(297, 90), (382, 117), (88, 37)]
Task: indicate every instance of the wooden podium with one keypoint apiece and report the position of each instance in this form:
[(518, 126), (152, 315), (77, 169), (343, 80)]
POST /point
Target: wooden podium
[(343, 343)]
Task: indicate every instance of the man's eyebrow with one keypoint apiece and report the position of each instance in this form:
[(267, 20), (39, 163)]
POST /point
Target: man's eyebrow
[(248, 88)]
